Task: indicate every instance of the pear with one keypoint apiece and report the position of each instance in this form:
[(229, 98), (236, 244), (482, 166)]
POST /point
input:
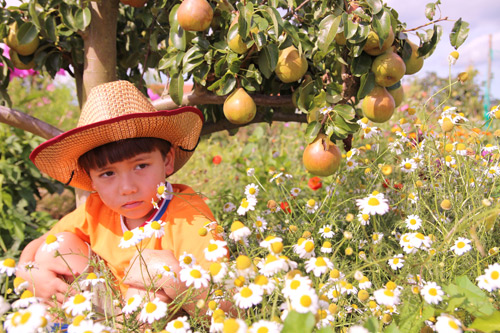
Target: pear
[(239, 108), (378, 105), (291, 66), (414, 63), (22, 49), (195, 15), (388, 68), (372, 45), (17, 62), (398, 95), (322, 157)]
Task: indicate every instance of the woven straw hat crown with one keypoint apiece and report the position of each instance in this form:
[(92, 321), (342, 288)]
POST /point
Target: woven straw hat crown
[(115, 111)]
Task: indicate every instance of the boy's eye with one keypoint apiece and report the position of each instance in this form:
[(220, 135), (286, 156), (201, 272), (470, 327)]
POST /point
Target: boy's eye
[(106, 174), (142, 166)]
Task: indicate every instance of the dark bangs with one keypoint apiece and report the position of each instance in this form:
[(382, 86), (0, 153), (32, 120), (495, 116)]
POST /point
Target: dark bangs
[(118, 151)]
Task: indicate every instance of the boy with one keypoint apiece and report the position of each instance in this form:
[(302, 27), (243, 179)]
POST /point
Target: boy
[(122, 149)]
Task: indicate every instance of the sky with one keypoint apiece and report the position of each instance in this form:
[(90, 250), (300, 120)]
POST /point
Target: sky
[(482, 16)]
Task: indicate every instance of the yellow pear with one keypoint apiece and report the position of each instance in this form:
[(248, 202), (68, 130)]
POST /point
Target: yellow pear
[(195, 15), (372, 46), (378, 105), (236, 44), (291, 66), (239, 108), (14, 57), (388, 68), (322, 157), (414, 63), (340, 38), (398, 95), (22, 49)]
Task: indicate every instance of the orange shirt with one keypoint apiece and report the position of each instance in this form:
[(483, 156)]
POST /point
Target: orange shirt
[(100, 227)]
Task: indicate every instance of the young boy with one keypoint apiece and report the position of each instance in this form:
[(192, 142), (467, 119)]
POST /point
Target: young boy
[(121, 150)]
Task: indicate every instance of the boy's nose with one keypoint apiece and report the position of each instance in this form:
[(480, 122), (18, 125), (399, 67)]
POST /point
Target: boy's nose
[(128, 185)]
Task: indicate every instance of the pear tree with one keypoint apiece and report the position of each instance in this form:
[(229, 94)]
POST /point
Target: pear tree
[(318, 62)]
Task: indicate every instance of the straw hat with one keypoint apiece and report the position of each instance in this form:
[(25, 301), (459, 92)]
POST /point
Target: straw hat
[(114, 111)]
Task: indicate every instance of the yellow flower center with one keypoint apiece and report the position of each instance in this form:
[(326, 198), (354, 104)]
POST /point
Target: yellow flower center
[(452, 324), (9, 262), (305, 301), (91, 276), (215, 268), (335, 274), (161, 189), (295, 284), (26, 294), (258, 223), (261, 280), (494, 275), (460, 245), (395, 261), (25, 317), (420, 236), (373, 202), (309, 246), (243, 262), (195, 273), (311, 202), (252, 190), (166, 268), (326, 230), (155, 225), (389, 293), (263, 330), (130, 300), (50, 239), (212, 247), (407, 166), (178, 324), (244, 203), (79, 299), (150, 307), (187, 260), (320, 262), (231, 326), (127, 235), (433, 292), (246, 292)]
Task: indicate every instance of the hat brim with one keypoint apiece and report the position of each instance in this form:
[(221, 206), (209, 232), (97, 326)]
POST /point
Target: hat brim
[(58, 157)]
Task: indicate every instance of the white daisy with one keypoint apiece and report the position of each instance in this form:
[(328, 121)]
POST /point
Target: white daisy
[(295, 284), (326, 231), (450, 161), (92, 279), (251, 190), (153, 311), (351, 165), (27, 298), (250, 172), (246, 204), (235, 325), (493, 275), (387, 297), (326, 247), (304, 248), (218, 271), (295, 191), (166, 271), (462, 245), (369, 132), (446, 323), (195, 276), (133, 303), (33, 319), (131, 238), (8, 266), (52, 242), (265, 326), (419, 240), (178, 325), (484, 283), (364, 218), (397, 262), (20, 284), (432, 293), (318, 266), (493, 171), (267, 285), (186, 260), (374, 204), (408, 165), (365, 283), (239, 231), (272, 243), (305, 300), (216, 250), (154, 228), (272, 265), (413, 222), (228, 207), (248, 296), (413, 197), (260, 224), (78, 304), (311, 206)]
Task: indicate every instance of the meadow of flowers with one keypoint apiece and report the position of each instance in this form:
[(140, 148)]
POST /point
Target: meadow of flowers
[(403, 238)]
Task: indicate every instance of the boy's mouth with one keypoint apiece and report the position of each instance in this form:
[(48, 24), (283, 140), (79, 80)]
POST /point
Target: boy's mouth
[(131, 204)]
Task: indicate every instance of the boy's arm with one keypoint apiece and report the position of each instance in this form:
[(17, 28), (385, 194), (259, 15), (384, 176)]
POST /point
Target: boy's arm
[(42, 280), (138, 277)]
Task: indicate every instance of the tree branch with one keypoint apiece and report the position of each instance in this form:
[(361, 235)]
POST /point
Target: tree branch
[(28, 123), (427, 24)]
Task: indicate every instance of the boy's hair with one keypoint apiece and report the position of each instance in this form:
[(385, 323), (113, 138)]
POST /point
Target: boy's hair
[(121, 150)]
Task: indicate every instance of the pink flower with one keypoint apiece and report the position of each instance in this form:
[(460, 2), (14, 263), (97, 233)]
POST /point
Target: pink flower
[(152, 95)]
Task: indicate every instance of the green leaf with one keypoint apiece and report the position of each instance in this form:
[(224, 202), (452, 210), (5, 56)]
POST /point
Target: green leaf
[(176, 88), (430, 11), (392, 328), (34, 14), (298, 322), (27, 33), (346, 111), (67, 16), (327, 30), (430, 41), (268, 58), (362, 64), (312, 131), (375, 5), (372, 325), (487, 324), (227, 85), (350, 28), (277, 21), (366, 85), (82, 18), (382, 25), (459, 33)]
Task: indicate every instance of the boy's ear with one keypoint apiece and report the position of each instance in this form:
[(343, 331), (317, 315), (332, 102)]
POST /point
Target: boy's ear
[(169, 162)]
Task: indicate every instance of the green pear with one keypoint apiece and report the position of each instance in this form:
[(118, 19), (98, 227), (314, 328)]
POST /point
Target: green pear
[(414, 63), (291, 66), (239, 107), (13, 42), (372, 45), (388, 68), (378, 105)]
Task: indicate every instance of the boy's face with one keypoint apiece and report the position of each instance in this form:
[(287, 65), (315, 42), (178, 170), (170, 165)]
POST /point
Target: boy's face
[(127, 187)]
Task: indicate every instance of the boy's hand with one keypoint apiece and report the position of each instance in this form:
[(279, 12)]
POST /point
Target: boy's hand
[(45, 284), (146, 264)]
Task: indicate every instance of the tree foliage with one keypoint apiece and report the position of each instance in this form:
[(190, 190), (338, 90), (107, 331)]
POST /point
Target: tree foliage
[(331, 35)]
